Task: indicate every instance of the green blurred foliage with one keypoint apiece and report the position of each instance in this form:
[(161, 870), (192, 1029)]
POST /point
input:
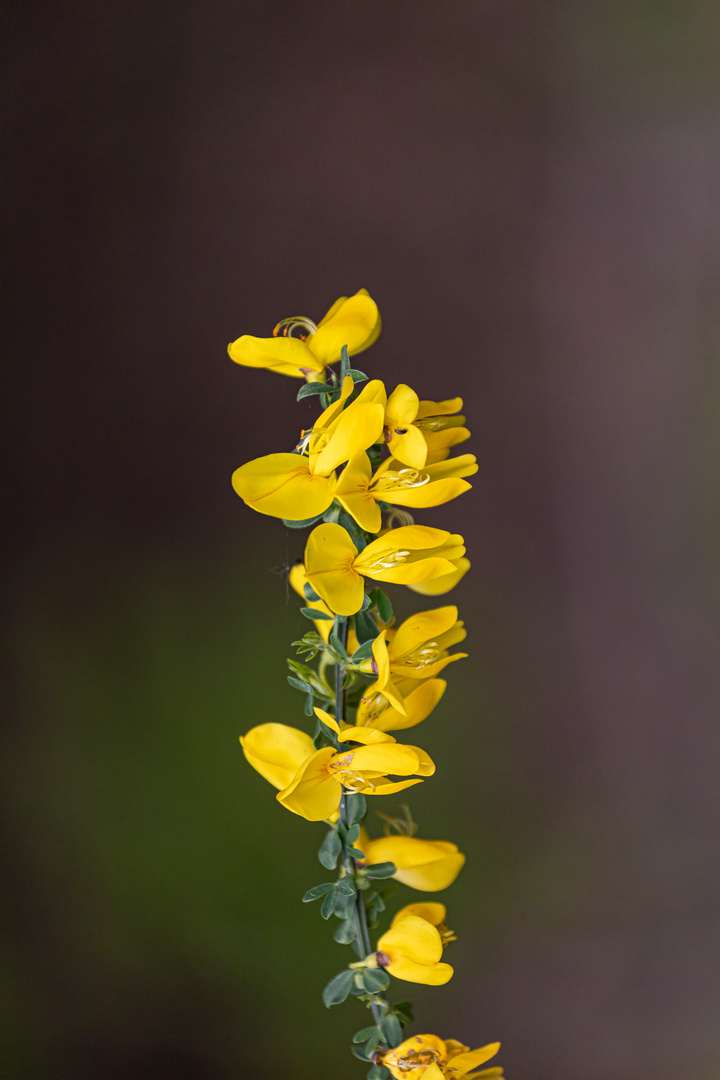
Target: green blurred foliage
[(157, 881)]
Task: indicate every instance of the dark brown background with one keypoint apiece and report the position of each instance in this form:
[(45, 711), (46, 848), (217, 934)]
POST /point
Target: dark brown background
[(530, 192)]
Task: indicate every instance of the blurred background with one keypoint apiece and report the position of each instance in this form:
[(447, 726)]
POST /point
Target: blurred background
[(530, 192)]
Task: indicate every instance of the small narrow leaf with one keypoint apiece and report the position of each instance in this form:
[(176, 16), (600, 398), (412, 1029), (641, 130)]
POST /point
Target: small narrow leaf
[(364, 652), (382, 602), (392, 1030), (344, 362), (380, 870), (315, 614), (365, 1034), (328, 904), (345, 933), (312, 388), (316, 892), (304, 523), (355, 375), (338, 645), (378, 1072), (365, 628), (352, 834), (356, 853), (372, 1044), (375, 979), (356, 807), (310, 593), (338, 988), (344, 906), (298, 684), (330, 849), (346, 887), (309, 702)]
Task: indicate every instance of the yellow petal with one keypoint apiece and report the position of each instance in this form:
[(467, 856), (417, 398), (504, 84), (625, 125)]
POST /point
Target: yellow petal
[(408, 445), (359, 426), (327, 719), (352, 493), (386, 757), (333, 412), (431, 913), (384, 682), (439, 408), (329, 557), (281, 485), (464, 1062), (286, 355), (425, 865), (313, 793), (412, 938), (444, 583), (439, 443), (402, 407), (426, 766), (413, 572), (423, 1048), (463, 465), (390, 787), (434, 494), (276, 751), (419, 703), (432, 1072), (421, 627), (353, 323), (366, 735)]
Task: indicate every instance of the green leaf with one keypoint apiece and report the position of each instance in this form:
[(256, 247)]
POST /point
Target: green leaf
[(364, 652), (392, 1030), (328, 904), (315, 614), (299, 685), (365, 1034), (378, 1072), (381, 601), (352, 834), (330, 849), (338, 645), (309, 702), (346, 886), (380, 870), (404, 1012), (312, 388), (344, 362), (317, 891), (356, 807), (338, 988), (310, 593), (344, 906), (359, 1051), (372, 1044), (356, 853), (345, 933), (365, 627), (302, 524), (355, 375), (375, 979)]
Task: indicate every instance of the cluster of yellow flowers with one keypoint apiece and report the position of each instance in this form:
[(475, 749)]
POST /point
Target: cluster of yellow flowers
[(357, 534)]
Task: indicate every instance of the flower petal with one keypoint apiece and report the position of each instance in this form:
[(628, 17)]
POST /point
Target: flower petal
[(445, 582), (439, 408), (402, 407), (313, 793), (464, 1062), (409, 446), (432, 913), (412, 938), (281, 485), (358, 427), (329, 556), (286, 355), (421, 627), (390, 787), (276, 751), (419, 703), (388, 757), (353, 323)]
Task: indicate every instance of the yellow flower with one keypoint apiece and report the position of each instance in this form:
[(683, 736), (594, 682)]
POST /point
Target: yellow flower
[(353, 321), (359, 491), (298, 579), (439, 586), (311, 781), (418, 649), (302, 485), (413, 946), (408, 421), (413, 553), (419, 698), (426, 865), (426, 1057)]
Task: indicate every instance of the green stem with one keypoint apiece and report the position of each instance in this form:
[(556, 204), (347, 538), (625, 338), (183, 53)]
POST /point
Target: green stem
[(341, 628)]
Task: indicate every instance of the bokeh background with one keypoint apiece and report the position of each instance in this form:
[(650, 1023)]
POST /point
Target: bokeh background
[(530, 192)]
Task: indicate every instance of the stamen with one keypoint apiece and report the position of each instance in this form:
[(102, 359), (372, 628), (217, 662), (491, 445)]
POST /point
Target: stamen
[(403, 478), (286, 327), (428, 653), (396, 518), (386, 562), (439, 423)]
